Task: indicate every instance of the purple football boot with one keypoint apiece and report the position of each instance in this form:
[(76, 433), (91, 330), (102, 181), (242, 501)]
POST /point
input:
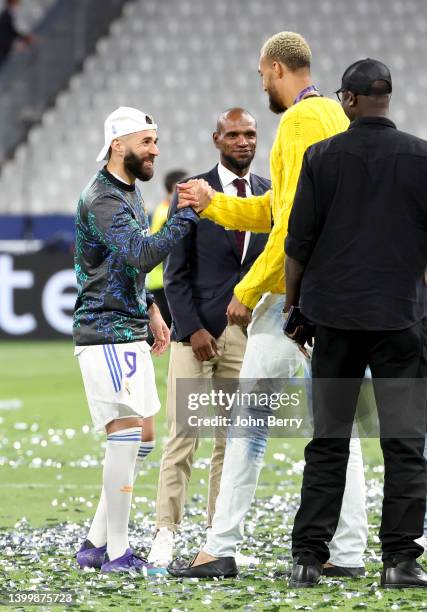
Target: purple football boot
[(128, 562), (91, 556)]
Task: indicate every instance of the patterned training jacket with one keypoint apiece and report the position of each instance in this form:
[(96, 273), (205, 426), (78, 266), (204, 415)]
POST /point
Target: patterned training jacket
[(114, 251)]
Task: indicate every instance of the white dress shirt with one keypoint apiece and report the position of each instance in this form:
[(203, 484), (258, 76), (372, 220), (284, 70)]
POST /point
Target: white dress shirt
[(227, 177)]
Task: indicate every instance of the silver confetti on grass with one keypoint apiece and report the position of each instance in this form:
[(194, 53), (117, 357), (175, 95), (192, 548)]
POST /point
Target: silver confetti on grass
[(47, 557)]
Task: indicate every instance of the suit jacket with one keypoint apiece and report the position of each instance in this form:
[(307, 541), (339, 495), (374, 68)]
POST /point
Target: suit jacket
[(202, 270)]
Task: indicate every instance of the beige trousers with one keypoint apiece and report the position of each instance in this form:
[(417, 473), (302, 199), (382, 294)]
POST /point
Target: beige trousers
[(178, 455)]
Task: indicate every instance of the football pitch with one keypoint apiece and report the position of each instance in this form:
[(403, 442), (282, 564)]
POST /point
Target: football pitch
[(50, 475)]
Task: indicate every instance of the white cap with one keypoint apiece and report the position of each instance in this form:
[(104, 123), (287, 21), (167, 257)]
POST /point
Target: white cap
[(122, 121)]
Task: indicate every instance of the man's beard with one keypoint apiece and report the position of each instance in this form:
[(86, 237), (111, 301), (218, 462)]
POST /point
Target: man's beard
[(135, 165), (275, 104), (238, 164)]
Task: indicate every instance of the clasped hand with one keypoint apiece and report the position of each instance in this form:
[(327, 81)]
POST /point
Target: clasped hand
[(196, 193)]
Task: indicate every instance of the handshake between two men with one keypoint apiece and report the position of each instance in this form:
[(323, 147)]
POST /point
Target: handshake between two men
[(198, 194)]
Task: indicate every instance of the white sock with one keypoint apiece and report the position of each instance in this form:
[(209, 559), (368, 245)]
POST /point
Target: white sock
[(145, 449), (98, 529), (120, 458)]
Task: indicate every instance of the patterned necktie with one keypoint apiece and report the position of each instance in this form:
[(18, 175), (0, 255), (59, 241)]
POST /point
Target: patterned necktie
[(240, 184)]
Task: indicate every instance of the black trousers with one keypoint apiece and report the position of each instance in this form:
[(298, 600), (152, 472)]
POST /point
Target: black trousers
[(391, 355)]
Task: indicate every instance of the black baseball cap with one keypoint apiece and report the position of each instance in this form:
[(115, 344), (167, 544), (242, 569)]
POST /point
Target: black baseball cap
[(359, 78)]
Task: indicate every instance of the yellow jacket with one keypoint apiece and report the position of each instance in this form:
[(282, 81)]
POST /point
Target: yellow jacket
[(160, 216), (302, 125)]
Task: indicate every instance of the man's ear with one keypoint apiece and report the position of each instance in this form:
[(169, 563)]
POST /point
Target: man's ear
[(215, 138), (118, 147), (278, 69), (352, 100)]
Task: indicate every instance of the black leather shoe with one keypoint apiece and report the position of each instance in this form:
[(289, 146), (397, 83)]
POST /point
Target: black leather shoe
[(224, 567), (305, 573), (404, 575), (343, 572), (279, 574)]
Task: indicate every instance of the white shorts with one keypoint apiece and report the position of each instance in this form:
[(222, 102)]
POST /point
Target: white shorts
[(119, 381)]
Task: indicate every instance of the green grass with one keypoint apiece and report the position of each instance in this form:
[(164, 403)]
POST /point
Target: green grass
[(50, 473)]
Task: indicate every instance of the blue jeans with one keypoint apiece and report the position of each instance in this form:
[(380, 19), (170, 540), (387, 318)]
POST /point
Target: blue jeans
[(270, 355)]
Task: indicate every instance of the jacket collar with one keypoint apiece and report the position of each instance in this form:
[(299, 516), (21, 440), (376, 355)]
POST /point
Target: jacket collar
[(212, 177), (372, 121), (226, 176)]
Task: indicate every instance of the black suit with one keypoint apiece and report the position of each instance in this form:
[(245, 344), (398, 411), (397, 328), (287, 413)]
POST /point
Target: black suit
[(201, 272)]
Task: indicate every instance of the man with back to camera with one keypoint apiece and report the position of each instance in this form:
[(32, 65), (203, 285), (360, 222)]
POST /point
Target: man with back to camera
[(114, 251), (200, 275), (9, 32), (284, 66), (359, 222)]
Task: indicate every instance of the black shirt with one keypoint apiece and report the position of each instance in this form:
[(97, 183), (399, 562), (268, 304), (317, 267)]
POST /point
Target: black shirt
[(8, 33), (359, 222)]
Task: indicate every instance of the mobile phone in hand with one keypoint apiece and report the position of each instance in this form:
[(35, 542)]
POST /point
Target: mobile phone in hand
[(295, 319)]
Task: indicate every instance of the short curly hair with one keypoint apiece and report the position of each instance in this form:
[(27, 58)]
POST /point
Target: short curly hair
[(289, 48)]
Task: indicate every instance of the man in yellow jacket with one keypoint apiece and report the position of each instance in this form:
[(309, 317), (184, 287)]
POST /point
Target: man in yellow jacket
[(259, 300)]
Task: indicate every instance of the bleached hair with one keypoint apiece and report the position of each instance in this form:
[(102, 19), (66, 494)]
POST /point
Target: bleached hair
[(289, 48)]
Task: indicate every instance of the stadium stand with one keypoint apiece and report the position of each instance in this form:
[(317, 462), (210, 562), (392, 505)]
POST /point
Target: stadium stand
[(184, 62), (30, 80), (31, 12)]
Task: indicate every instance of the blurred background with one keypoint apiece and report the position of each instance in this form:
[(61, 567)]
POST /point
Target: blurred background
[(67, 65)]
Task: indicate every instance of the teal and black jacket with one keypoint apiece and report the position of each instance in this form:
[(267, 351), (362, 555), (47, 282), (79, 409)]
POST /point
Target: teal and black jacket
[(114, 252)]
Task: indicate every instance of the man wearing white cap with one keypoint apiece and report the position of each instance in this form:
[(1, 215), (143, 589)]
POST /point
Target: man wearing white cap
[(114, 251)]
